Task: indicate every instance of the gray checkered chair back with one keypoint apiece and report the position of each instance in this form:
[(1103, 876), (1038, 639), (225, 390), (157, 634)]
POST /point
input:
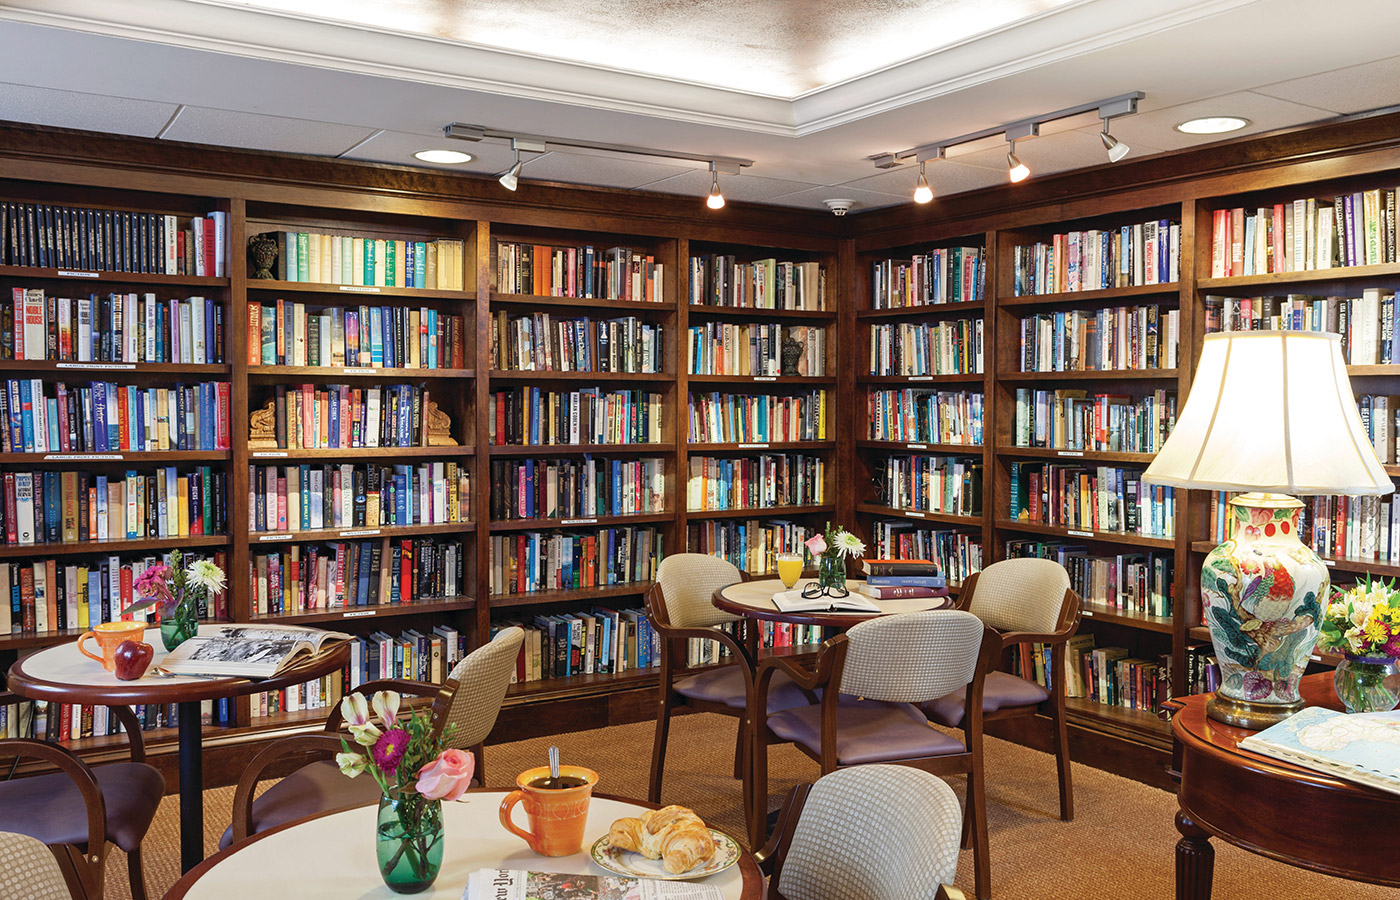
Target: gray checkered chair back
[(688, 583), (913, 657), (28, 870), (482, 679), (1020, 595), (874, 832)]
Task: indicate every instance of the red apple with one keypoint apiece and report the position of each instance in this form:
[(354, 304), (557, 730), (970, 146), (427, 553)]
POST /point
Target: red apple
[(131, 659)]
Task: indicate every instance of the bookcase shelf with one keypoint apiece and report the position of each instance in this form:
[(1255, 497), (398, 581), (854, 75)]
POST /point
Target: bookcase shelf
[(22, 551), (941, 518), (1091, 375), (115, 457), (1070, 535), (658, 448), (1348, 564), (1102, 612), (1093, 715), (750, 446), (706, 310), (377, 611), (533, 598), (927, 309), (1275, 280), (343, 373), (954, 378), (922, 447), (760, 512), (1089, 298), (583, 304), (513, 375), (1105, 456), (127, 278), (260, 538), (116, 369), (343, 453), (346, 291), (579, 522), (815, 380)]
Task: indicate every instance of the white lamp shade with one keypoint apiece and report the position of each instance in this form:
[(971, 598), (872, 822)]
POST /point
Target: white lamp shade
[(1271, 411)]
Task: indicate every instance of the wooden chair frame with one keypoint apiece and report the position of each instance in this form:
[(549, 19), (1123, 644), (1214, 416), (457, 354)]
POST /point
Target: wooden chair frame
[(831, 663), (773, 854), (1065, 627), (326, 744)]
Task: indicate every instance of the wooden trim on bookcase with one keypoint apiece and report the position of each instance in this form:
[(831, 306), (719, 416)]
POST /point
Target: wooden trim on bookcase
[(845, 423), (991, 321), (1194, 239), (678, 284), (481, 503), (236, 342)]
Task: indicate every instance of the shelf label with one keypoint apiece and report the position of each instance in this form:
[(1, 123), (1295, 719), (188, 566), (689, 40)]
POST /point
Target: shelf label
[(1329, 562), (1071, 453), (268, 454), (1087, 534), (589, 521), (274, 537), (920, 377), (918, 446), (1314, 657), (910, 512), (760, 446), (79, 457), (1086, 612), (364, 532), (765, 378), (358, 370), (65, 273), (359, 614), (96, 365), (359, 288)]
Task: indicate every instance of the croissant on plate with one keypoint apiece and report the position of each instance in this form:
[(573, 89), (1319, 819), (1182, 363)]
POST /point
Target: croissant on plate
[(673, 834)]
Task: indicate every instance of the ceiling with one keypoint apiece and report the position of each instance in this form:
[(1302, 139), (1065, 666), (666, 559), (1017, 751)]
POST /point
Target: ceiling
[(808, 90)]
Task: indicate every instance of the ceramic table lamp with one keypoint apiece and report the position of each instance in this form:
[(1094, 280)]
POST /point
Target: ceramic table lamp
[(1270, 413)]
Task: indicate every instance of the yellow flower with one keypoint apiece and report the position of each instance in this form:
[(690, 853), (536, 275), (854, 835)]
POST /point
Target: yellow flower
[(1376, 630)]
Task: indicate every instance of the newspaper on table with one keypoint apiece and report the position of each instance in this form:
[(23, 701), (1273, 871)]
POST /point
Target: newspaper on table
[(516, 884)]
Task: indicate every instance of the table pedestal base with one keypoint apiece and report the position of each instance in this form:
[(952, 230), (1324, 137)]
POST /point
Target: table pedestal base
[(191, 785)]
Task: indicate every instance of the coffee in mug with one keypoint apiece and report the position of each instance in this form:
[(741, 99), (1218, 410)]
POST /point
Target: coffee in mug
[(555, 808)]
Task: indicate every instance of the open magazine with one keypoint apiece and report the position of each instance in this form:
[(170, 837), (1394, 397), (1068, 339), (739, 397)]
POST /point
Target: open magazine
[(793, 601), (247, 651), (516, 884)]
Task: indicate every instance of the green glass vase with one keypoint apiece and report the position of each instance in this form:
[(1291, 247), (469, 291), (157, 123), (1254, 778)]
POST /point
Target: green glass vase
[(180, 625), (408, 842), (831, 572), (1367, 683)]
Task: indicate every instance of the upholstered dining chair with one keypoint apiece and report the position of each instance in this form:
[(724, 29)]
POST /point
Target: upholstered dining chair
[(79, 809), (468, 701), (30, 871), (679, 607), (877, 832), (872, 679), (1024, 600)]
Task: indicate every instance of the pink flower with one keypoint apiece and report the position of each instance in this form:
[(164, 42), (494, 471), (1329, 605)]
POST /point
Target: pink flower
[(817, 544), (448, 776), (389, 750), (154, 580)]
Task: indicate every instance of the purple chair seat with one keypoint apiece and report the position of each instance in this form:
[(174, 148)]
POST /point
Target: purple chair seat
[(315, 787), (50, 807), (867, 731), (725, 684), (1001, 690)]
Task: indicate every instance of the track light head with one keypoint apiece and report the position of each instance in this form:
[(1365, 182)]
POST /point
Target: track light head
[(1116, 148), (716, 199), (511, 179), (922, 192), (1018, 171)]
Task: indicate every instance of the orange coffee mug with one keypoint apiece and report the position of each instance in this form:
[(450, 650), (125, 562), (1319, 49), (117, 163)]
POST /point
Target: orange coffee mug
[(557, 815), (109, 636)]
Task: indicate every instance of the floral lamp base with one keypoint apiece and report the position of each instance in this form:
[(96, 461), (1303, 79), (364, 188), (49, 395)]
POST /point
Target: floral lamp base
[(1263, 592)]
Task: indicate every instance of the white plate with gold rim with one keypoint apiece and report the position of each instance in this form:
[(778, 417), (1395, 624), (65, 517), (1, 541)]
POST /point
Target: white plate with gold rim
[(630, 862)]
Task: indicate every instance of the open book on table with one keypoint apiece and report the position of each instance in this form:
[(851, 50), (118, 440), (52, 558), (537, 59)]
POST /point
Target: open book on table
[(1360, 747), (247, 651), (516, 884), (793, 601)]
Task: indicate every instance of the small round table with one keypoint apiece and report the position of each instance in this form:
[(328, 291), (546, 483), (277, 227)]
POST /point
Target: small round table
[(331, 856), (63, 675), (1295, 815), (755, 600)]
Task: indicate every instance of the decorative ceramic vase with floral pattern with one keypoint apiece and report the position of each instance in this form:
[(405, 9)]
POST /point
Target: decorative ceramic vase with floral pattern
[(1262, 592)]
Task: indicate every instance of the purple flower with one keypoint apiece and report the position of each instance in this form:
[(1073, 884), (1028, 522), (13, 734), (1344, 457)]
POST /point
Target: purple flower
[(389, 750), (1256, 686)]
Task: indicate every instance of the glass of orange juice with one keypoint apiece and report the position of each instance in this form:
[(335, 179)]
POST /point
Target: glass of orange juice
[(789, 568)]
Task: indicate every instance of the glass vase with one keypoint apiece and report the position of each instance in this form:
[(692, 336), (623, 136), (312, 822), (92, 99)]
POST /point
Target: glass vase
[(408, 842), (1368, 683), (180, 625), (831, 573)]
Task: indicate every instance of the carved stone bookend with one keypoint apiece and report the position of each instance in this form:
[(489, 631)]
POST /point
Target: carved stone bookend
[(262, 427), (262, 253), (439, 427)]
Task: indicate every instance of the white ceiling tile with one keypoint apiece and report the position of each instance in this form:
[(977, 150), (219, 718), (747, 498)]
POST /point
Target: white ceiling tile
[(1371, 85), (814, 198), (397, 148), (601, 171), (93, 112), (200, 125), (1158, 127), (751, 188)]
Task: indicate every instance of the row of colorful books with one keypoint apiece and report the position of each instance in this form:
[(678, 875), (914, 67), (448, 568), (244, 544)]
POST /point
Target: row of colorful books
[(1138, 254), (767, 480), (619, 273), (106, 417), (539, 342), (943, 275), (941, 484), (1356, 229), (1122, 337), (106, 240), (539, 416), (749, 544), (532, 561), (363, 261), (315, 496), (353, 573), (1367, 324), (1091, 498), (118, 328), (757, 418), (64, 722), (957, 553), (949, 347), (1072, 419), (289, 334), (1133, 582), (312, 416), (722, 280), (753, 348), (920, 415), (1335, 527), (576, 488), (70, 507)]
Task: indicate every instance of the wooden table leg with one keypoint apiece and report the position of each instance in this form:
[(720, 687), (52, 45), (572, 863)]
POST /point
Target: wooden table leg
[(1195, 860), (191, 786)]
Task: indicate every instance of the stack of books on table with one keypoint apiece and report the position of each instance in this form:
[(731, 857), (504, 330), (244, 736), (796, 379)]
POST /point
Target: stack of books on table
[(891, 579)]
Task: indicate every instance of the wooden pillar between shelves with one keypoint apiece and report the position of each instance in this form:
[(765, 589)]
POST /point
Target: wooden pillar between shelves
[(236, 476), (479, 266)]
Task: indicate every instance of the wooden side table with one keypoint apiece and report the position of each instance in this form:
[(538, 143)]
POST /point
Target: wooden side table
[(63, 675), (1294, 815)]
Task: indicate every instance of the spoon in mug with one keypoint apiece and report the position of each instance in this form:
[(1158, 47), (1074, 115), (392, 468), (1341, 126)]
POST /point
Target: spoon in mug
[(553, 766)]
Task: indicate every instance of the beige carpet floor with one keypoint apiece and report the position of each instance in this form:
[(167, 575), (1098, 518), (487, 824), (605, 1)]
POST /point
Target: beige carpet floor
[(1120, 844)]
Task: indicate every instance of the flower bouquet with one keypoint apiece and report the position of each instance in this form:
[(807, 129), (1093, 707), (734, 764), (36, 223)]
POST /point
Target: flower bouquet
[(1363, 624), (415, 774), (830, 552), (176, 590)]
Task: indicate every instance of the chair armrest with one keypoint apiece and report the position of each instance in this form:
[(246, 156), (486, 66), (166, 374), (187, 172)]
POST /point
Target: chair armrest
[(770, 856), (69, 763), (807, 679), (322, 744), (670, 632), (948, 892)]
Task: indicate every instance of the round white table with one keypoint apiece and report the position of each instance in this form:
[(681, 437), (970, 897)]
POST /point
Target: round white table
[(755, 599), (331, 857)]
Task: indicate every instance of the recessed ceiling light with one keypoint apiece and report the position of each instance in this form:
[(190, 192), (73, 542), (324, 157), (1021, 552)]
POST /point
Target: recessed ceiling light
[(1212, 125), (449, 157)]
